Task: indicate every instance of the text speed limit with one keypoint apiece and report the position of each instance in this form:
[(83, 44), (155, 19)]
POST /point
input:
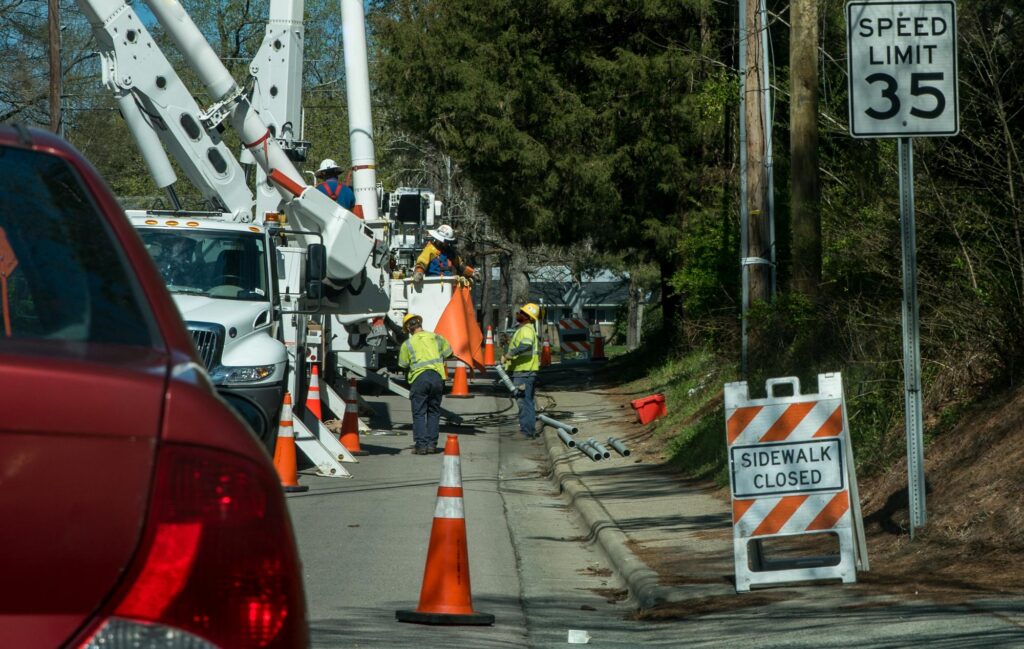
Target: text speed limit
[(902, 67)]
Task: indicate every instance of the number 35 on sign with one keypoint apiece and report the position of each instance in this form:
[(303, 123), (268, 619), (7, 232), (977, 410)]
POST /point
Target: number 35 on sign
[(902, 66)]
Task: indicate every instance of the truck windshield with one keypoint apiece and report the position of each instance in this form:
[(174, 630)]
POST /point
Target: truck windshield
[(221, 264)]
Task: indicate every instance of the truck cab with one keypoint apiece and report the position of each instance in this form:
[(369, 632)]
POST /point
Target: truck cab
[(223, 282)]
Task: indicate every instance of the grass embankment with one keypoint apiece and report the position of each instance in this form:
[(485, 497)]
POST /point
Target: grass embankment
[(691, 437)]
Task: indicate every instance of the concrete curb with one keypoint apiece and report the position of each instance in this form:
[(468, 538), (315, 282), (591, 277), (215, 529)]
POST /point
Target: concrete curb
[(642, 582)]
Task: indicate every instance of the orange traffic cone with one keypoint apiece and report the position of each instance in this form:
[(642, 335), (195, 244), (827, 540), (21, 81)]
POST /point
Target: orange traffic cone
[(446, 597), (284, 451), (598, 352), (489, 348), (313, 395), (350, 423), (460, 384), (545, 354)]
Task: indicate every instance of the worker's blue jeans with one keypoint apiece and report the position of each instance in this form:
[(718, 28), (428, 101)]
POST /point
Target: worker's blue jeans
[(425, 395), (524, 399)]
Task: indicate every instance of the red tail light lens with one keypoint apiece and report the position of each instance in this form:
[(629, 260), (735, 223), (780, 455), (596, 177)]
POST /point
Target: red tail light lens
[(218, 560)]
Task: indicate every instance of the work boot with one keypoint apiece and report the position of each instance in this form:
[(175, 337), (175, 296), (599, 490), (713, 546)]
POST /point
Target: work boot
[(432, 450), (419, 450)]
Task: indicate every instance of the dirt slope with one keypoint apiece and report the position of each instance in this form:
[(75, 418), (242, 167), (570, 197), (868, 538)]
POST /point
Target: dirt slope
[(974, 539)]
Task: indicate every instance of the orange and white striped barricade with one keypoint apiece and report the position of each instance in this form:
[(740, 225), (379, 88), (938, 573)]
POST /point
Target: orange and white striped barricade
[(791, 473), (574, 336)]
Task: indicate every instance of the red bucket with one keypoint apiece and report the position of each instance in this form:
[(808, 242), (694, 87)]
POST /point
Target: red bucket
[(650, 408)]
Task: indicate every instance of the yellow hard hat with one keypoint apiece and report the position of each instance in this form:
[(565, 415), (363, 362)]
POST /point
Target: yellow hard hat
[(531, 310), (408, 317)]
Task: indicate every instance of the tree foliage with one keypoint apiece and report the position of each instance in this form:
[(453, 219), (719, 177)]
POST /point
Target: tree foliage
[(576, 120)]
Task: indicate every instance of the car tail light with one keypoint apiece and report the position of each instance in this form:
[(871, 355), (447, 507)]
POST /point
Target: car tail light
[(217, 563)]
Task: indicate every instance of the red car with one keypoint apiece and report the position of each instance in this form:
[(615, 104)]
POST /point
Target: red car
[(136, 510)]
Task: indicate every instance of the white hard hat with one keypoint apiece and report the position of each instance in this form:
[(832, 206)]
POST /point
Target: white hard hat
[(327, 165), (443, 233)]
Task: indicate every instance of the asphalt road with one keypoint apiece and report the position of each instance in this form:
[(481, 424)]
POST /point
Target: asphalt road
[(363, 541)]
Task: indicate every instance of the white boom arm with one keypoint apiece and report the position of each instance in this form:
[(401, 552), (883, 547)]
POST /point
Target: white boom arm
[(158, 108), (349, 244), (277, 91), (360, 119)]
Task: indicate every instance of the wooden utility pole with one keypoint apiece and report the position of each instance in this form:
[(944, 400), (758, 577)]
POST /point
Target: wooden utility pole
[(485, 292), (53, 7), (504, 290), (803, 145), (758, 247), (633, 315)]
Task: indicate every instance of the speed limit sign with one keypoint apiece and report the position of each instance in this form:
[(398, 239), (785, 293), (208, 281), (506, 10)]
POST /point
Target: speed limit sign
[(902, 66)]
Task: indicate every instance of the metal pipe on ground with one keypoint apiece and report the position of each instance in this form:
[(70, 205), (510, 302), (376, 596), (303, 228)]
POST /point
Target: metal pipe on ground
[(566, 438), (503, 375), (558, 424), (589, 451), (619, 447), (605, 453)]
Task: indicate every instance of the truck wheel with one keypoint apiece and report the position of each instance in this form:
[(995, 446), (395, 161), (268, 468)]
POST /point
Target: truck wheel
[(250, 413)]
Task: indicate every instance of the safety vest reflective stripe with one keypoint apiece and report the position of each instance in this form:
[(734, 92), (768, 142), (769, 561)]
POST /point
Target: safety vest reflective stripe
[(521, 362), (533, 343), (415, 364)]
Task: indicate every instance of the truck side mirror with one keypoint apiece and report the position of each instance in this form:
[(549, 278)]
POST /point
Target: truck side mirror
[(316, 270)]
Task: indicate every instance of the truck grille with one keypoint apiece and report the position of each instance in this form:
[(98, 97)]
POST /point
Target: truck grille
[(208, 340)]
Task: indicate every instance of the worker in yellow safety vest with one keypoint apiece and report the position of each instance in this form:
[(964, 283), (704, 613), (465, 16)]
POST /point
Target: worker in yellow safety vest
[(522, 361), (422, 355)]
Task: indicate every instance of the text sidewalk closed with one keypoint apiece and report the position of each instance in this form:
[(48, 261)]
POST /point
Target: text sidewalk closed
[(778, 469)]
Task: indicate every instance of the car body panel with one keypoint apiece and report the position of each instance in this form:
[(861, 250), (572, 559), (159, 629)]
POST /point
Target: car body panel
[(66, 551)]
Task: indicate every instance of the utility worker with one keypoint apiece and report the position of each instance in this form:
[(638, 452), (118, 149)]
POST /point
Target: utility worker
[(522, 362), (422, 355), (440, 259), (329, 175)]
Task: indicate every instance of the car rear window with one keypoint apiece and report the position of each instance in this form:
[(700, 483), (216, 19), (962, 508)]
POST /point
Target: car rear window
[(62, 276)]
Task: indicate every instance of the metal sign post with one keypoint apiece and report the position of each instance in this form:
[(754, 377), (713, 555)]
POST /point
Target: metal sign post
[(903, 84), (911, 340)]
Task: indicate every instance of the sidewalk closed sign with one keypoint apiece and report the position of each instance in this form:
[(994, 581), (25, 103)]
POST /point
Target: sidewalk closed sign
[(777, 469), (903, 69), (790, 470)]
